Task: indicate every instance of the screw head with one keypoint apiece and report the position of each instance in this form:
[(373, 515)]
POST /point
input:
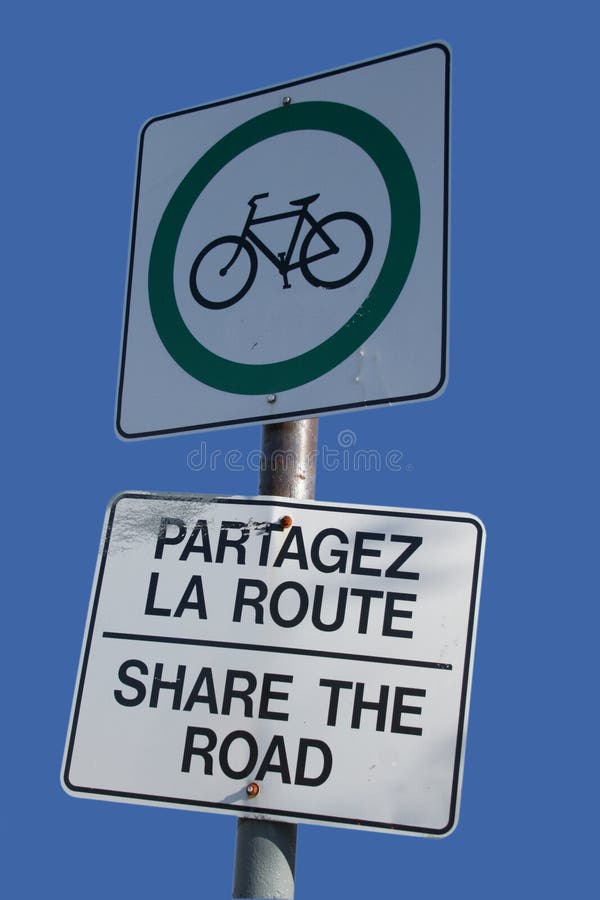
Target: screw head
[(252, 789), (286, 101), (271, 398), (285, 521)]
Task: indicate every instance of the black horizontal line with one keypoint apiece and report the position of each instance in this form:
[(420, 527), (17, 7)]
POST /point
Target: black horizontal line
[(298, 651)]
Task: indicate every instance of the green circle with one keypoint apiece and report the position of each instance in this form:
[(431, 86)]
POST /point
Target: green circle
[(394, 165)]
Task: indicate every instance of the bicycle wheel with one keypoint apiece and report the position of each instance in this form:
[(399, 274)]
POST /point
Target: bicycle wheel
[(223, 272), (324, 273)]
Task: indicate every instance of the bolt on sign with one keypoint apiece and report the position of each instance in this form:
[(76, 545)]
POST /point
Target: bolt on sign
[(289, 251), (303, 661)]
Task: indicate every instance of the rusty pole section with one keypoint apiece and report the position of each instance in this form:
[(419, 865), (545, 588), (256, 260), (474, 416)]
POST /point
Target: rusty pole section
[(265, 852), (290, 452)]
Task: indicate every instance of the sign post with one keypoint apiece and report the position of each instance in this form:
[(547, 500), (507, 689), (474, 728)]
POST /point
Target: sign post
[(265, 852), (275, 658)]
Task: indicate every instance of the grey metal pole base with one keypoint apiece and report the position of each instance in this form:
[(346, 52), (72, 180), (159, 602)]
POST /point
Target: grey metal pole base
[(265, 859), (265, 852)]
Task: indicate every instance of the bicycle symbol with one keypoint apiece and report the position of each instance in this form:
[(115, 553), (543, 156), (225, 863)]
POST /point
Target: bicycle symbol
[(220, 256)]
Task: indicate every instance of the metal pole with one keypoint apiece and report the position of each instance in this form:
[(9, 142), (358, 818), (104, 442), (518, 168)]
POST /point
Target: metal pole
[(265, 851), (290, 451)]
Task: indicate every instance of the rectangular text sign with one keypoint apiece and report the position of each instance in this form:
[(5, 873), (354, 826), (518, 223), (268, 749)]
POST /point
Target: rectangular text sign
[(295, 660)]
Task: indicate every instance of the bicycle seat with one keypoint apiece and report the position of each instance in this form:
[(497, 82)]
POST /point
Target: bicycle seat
[(304, 201), (252, 200)]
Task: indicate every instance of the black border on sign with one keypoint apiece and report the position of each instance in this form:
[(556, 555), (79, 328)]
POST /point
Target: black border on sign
[(306, 817), (299, 413)]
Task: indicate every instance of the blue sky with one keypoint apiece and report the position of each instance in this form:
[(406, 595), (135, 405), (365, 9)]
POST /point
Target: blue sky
[(510, 440)]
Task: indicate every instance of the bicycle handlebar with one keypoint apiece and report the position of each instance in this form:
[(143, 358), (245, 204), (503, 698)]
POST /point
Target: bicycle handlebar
[(252, 200)]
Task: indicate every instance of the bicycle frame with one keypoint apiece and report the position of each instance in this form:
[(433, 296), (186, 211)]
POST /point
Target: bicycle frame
[(282, 261)]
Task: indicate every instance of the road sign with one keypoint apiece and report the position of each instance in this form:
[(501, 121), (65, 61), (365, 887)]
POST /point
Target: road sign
[(268, 657), (289, 251)]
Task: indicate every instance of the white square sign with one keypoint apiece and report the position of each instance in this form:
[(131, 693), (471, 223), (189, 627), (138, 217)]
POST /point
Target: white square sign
[(289, 251), (266, 657)]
